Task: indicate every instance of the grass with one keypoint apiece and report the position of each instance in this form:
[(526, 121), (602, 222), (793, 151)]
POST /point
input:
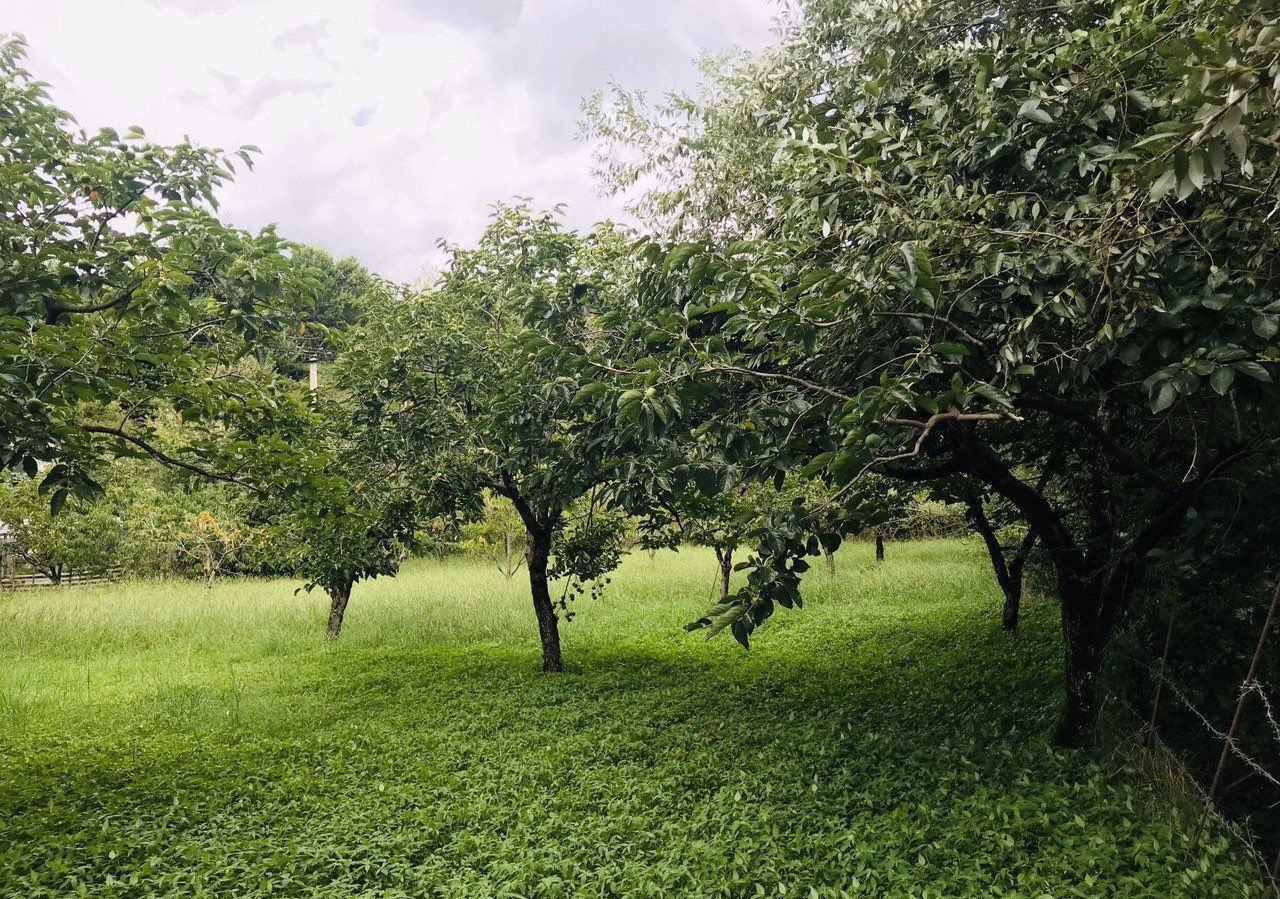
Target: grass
[(889, 740)]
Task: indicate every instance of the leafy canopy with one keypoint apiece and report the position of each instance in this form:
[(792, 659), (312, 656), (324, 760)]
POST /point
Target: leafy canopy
[(120, 287), (1036, 239)]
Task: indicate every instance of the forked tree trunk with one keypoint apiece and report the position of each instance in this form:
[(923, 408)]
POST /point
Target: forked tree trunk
[(537, 552), (1008, 571), (339, 596), (879, 545), (725, 559)]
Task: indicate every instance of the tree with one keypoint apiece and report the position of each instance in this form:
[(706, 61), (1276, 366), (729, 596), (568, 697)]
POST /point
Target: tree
[(342, 292), (720, 520), (329, 510), (120, 288), (497, 535), (470, 388), (211, 544), (1028, 249), (88, 540), (1009, 562), (336, 533)]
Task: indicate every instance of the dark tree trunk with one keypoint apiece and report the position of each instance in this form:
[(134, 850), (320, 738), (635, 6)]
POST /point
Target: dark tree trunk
[(725, 558), (339, 596), (1008, 572), (830, 558), (1092, 604), (537, 551), (1012, 604), (879, 545), (1088, 622)]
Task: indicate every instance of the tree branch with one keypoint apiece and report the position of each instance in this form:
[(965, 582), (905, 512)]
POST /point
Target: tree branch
[(777, 376), (1074, 413), (927, 473), (986, 466), (161, 457), (54, 309), (926, 428)]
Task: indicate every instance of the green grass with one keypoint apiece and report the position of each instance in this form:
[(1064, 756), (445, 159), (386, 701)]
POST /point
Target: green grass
[(888, 740)]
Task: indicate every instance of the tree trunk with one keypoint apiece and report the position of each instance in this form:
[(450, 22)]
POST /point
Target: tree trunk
[(879, 545), (1008, 573), (831, 561), (339, 596), (509, 550), (537, 551), (1012, 603), (1086, 632), (725, 558)]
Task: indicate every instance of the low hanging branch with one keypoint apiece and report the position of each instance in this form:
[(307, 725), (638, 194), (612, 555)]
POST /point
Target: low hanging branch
[(55, 309), (165, 459)]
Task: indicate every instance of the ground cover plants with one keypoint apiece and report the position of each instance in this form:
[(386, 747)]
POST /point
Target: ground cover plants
[(891, 740)]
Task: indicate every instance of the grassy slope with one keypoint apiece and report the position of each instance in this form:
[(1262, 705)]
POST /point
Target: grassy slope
[(159, 740)]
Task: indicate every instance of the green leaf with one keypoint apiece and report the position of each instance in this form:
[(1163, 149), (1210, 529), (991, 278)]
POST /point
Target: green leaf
[(1139, 98), (1164, 397), (679, 256), (1253, 370), (986, 68), (1221, 380), (1031, 110), (951, 350), (1266, 326), (591, 391), (1165, 183)]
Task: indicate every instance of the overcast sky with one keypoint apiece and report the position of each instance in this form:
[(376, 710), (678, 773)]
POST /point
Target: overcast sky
[(384, 124)]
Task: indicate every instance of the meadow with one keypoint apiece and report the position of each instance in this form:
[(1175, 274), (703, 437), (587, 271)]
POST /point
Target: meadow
[(160, 739)]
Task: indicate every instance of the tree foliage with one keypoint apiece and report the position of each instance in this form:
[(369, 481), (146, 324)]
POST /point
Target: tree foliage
[(1028, 247), (471, 388), (120, 286)]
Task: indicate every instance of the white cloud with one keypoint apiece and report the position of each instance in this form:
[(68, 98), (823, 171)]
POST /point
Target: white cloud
[(384, 125)]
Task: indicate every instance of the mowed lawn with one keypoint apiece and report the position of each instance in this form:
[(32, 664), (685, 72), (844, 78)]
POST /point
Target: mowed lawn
[(157, 739)]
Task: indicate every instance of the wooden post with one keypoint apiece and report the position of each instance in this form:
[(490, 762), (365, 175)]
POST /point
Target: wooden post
[(315, 377), (1245, 688)]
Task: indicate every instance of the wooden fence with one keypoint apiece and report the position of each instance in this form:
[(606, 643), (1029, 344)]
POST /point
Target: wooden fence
[(71, 579)]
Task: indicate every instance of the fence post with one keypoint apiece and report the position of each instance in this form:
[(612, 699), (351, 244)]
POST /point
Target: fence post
[(1245, 689)]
